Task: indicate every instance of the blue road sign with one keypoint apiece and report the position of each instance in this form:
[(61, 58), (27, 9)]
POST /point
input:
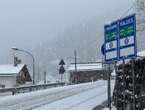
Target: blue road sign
[(127, 37), (111, 42), (120, 39)]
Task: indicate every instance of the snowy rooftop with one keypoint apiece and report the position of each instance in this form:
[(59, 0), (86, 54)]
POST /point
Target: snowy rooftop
[(10, 69), (85, 67)]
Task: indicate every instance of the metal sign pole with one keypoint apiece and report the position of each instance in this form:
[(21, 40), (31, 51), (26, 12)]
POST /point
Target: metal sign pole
[(115, 68), (61, 77), (75, 55), (109, 88), (124, 106), (133, 79)]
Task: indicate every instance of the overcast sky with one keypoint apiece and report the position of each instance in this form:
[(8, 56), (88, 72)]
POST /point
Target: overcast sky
[(26, 23)]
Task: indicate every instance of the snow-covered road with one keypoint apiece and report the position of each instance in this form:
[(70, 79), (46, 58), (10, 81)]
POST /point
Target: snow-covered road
[(61, 98), (86, 100)]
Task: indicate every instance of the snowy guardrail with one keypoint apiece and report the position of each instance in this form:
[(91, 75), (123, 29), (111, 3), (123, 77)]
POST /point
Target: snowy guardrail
[(30, 88)]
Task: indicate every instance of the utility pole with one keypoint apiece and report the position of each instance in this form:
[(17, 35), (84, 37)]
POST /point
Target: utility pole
[(45, 77), (75, 56)]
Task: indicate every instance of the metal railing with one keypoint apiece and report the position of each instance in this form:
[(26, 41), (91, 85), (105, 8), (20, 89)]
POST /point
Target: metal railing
[(30, 88)]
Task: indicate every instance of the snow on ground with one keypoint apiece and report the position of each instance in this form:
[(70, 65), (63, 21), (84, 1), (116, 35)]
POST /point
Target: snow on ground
[(73, 97), (5, 94), (83, 101), (30, 100)]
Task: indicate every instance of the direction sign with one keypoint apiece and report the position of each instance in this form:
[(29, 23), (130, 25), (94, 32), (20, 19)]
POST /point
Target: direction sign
[(111, 43), (120, 39), (127, 37)]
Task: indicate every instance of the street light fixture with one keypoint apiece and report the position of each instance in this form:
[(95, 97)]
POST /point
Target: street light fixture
[(17, 49)]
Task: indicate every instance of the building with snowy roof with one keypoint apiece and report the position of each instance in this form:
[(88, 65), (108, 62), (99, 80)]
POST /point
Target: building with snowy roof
[(86, 72), (13, 75)]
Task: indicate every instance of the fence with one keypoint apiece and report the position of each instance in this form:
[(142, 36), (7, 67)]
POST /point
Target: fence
[(25, 89)]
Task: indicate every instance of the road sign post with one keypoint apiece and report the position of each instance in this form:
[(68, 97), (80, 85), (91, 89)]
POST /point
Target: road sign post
[(120, 43), (109, 87), (124, 84), (110, 51), (61, 69), (133, 80)]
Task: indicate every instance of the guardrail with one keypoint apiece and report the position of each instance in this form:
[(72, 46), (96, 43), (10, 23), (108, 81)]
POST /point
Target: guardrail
[(30, 88)]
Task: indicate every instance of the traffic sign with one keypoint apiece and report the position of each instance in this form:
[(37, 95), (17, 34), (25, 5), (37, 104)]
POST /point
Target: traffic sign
[(61, 62), (111, 36), (120, 39), (127, 37)]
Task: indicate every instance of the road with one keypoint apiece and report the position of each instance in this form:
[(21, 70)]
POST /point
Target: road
[(40, 99)]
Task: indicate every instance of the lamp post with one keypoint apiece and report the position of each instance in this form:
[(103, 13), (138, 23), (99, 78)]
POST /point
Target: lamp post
[(16, 49)]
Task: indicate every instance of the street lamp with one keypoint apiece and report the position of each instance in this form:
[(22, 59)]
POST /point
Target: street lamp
[(16, 49)]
